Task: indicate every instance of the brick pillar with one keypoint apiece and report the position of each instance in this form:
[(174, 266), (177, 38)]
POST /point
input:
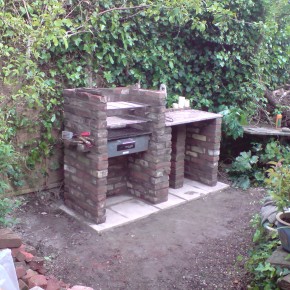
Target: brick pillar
[(86, 172), (117, 175), (149, 171), (176, 176), (202, 151)]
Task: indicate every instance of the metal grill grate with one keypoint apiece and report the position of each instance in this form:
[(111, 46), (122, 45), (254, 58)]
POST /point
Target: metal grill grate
[(115, 134)]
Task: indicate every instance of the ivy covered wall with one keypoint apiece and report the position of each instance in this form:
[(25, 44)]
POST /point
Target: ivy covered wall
[(220, 54)]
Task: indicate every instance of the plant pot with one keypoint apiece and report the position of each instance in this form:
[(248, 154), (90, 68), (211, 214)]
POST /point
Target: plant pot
[(270, 228), (283, 227)]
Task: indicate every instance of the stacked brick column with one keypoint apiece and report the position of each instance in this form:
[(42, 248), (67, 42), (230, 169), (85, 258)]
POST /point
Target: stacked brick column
[(86, 173), (202, 151), (149, 171), (117, 175), (176, 176)]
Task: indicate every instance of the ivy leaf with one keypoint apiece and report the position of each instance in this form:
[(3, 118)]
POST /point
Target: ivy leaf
[(65, 42), (77, 41), (111, 59), (53, 117)]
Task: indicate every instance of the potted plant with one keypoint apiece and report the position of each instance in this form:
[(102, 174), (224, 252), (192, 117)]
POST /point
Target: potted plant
[(278, 181)]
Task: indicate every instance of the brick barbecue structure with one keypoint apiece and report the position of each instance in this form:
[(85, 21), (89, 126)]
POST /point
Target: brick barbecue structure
[(139, 147)]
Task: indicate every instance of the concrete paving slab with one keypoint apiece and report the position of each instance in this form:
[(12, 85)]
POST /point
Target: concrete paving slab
[(173, 200), (192, 195), (111, 200), (113, 219), (206, 188), (134, 209), (187, 192), (123, 209)]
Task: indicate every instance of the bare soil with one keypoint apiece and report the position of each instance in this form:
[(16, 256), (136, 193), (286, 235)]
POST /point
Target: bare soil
[(192, 246)]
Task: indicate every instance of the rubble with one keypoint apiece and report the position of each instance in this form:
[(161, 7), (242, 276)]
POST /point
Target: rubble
[(30, 268)]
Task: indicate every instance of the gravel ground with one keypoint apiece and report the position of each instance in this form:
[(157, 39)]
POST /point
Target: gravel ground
[(192, 246)]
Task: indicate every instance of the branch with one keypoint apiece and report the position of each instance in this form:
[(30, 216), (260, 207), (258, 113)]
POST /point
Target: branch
[(123, 8), (70, 33), (270, 97), (27, 13), (73, 9), (131, 16)]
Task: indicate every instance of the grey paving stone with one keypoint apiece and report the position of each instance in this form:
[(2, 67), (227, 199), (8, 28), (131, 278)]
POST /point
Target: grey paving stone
[(113, 219), (205, 188), (173, 200), (111, 200), (187, 192), (134, 209)]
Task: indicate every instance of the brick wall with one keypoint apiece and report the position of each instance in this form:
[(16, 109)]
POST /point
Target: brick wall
[(149, 171), (91, 177), (176, 176), (117, 176), (86, 173), (202, 151)]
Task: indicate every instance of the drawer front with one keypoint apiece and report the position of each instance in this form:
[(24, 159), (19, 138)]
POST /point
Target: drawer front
[(127, 146)]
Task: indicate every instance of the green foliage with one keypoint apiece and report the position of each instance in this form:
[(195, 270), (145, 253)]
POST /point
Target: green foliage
[(6, 207), (233, 119), (250, 167), (9, 168), (219, 54), (277, 181), (10, 175), (264, 275), (242, 169)]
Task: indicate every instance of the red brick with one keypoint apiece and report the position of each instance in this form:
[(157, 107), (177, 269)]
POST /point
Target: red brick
[(20, 271), (139, 175), (24, 264), (30, 249), (8, 239), (15, 251), (37, 280), (30, 273), (210, 158), (41, 271), (24, 256), (22, 285), (97, 197), (176, 184), (53, 284), (36, 263)]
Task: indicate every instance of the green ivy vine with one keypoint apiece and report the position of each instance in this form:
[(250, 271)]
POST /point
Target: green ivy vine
[(219, 54)]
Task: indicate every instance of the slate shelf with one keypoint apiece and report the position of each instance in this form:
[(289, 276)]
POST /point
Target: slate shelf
[(188, 116), (264, 131)]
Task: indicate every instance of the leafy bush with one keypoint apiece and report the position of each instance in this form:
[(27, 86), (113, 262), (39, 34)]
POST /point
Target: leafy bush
[(263, 274), (250, 167), (242, 169), (10, 176), (216, 53), (233, 119), (6, 207), (277, 181)]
